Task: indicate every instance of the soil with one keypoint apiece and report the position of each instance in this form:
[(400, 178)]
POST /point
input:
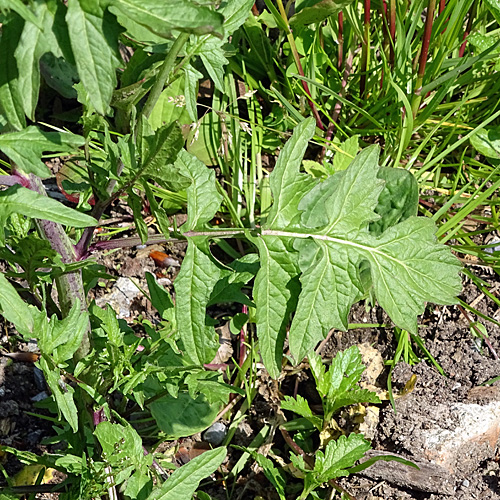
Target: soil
[(466, 362)]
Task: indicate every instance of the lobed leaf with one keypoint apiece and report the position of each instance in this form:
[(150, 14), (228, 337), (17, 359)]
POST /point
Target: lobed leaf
[(329, 226)]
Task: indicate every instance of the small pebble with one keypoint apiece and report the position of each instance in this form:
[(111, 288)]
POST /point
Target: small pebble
[(40, 396), (39, 379), (465, 483), (215, 434)]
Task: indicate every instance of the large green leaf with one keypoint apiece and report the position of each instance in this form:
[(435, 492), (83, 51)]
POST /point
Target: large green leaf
[(203, 198), (193, 287), (25, 147), (328, 225), (11, 101), (94, 39), (163, 16), (19, 200), (34, 43)]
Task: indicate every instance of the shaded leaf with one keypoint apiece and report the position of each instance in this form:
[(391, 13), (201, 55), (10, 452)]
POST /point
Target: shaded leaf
[(316, 11), (94, 39), (183, 416), (11, 101)]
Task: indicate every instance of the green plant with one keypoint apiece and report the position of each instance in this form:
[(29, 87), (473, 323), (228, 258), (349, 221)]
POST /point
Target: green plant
[(317, 237)]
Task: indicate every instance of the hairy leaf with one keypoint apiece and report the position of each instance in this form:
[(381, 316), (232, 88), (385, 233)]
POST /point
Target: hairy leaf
[(338, 456), (94, 39), (184, 481), (26, 147)]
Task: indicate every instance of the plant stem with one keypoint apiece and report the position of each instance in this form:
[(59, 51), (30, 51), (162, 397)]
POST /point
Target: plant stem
[(162, 77), (341, 40), (472, 15), (417, 97), (365, 53), (392, 30), (296, 58), (69, 285)]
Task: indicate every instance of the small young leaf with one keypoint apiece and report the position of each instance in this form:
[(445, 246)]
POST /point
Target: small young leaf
[(487, 141), (160, 298), (300, 406), (184, 481), (63, 393), (94, 39), (61, 338), (26, 147), (397, 201), (276, 478)]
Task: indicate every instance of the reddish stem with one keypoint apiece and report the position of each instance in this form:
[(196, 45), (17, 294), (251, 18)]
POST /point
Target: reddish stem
[(341, 39), (243, 346), (472, 14), (365, 60)]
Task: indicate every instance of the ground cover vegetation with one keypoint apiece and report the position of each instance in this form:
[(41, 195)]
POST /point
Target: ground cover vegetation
[(324, 153)]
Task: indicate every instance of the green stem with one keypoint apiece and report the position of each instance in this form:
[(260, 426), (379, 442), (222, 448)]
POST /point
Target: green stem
[(165, 71)]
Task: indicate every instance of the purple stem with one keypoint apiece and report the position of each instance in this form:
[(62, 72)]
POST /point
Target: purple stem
[(13, 180)]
